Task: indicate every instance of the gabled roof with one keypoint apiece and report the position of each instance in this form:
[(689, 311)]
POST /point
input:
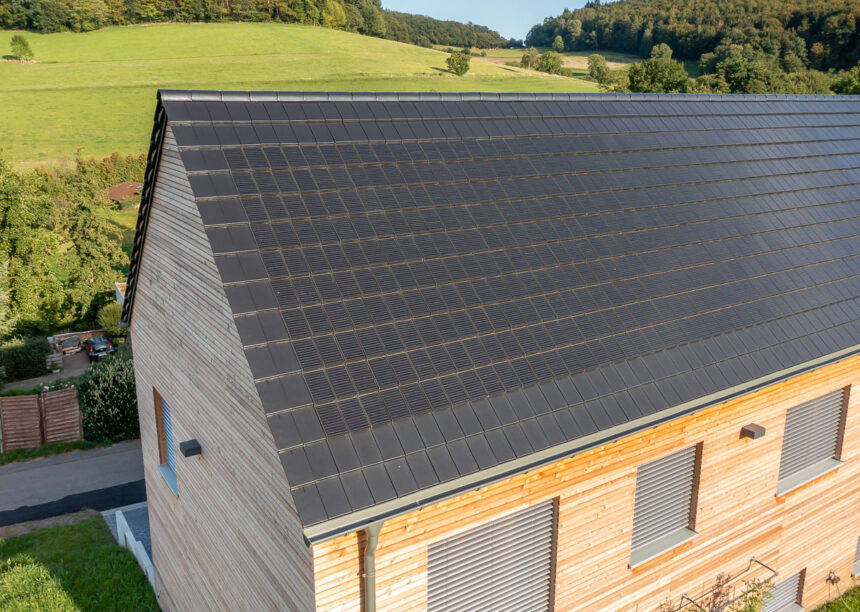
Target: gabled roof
[(438, 290)]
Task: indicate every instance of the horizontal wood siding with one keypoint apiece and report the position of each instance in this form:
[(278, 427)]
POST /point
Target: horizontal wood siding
[(21, 422), (738, 514), (62, 416), (231, 539)]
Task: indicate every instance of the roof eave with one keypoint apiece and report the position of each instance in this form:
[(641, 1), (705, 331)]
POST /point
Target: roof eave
[(359, 520), (153, 158)]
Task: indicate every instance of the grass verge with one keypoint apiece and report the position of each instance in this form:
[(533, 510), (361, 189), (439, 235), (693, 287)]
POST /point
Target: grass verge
[(71, 568), (46, 450)]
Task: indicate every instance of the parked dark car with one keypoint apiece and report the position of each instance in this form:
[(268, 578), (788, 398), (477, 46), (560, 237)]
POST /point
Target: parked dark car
[(70, 345), (99, 347)]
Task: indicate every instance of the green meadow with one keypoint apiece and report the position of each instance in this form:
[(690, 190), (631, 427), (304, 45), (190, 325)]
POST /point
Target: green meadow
[(94, 93)]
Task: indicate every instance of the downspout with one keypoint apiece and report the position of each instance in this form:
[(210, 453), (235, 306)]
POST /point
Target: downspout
[(371, 533)]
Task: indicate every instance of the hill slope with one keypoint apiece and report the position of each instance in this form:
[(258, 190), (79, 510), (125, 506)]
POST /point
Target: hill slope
[(96, 91)]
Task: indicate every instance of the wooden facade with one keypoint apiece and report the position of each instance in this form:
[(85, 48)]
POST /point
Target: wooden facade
[(230, 539), (738, 515)]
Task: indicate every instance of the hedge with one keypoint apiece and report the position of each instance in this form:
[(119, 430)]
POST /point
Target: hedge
[(108, 399), (24, 357)]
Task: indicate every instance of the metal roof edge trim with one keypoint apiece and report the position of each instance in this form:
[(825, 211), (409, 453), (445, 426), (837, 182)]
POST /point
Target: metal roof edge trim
[(153, 159), (186, 95), (360, 519)]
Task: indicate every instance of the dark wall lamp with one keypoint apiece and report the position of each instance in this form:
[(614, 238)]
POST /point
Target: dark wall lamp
[(752, 431), (189, 448)]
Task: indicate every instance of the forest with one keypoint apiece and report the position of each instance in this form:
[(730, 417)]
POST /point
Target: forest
[(362, 16), (742, 46)]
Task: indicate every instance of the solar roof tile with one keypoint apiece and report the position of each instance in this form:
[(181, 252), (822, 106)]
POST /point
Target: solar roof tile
[(564, 276)]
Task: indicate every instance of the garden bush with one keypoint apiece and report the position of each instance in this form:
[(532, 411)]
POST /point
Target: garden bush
[(108, 399), (24, 357)]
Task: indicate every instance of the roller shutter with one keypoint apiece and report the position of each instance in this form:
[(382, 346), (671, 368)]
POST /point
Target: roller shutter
[(785, 595), (857, 560), (812, 432), (167, 423), (664, 495), (505, 565)]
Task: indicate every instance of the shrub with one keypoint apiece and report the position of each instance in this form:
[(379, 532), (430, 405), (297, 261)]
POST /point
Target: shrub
[(458, 63), (108, 399), (550, 62), (24, 357), (20, 48), (109, 317)]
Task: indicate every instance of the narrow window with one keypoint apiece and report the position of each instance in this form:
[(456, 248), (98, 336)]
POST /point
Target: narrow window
[(664, 512), (507, 564), (812, 442), (166, 450), (787, 595)]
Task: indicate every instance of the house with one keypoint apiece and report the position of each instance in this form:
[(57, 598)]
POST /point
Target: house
[(124, 191), (498, 351)]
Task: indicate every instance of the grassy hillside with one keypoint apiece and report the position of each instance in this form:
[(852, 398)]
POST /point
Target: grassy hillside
[(96, 91)]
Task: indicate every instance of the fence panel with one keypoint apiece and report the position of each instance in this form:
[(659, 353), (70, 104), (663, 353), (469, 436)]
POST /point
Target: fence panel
[(62, 415), (21, 422)]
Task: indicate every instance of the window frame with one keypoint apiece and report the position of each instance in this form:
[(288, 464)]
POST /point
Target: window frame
[(167, 471)]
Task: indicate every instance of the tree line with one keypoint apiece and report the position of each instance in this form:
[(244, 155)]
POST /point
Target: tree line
[(58, 259), (362, 16), (741, 46)]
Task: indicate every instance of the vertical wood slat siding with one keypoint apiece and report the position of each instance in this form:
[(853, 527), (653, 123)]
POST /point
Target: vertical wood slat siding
[(503, 565), (21, 421), (231, 539), (783, 594), (811, 433), (62, 416), (738, 515), (664, 492)]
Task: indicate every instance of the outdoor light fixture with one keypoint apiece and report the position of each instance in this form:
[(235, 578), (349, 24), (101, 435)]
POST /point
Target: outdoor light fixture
[(189, 448), (752, 431)]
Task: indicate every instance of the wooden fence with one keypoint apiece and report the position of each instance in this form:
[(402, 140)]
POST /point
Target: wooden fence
[(28, 421)]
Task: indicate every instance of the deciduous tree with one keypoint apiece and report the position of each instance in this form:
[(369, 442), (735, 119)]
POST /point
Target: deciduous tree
[(458, 63), (20, 48)]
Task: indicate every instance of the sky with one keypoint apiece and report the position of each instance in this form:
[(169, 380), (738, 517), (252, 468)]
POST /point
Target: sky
[(511, 19)]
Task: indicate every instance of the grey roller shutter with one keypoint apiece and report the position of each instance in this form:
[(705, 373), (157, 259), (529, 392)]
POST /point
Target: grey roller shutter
[(505, 565), (856, 571), (812, 432), (783, 595), (664, 494)]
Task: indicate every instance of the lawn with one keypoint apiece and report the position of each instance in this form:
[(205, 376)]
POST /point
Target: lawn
[(75, 567), (96, 91)]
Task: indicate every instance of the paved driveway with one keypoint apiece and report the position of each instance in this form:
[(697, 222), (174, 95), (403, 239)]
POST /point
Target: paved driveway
[(99, 478)]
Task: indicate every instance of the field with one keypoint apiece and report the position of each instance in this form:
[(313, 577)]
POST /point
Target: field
[(578, 60), (95, 92)]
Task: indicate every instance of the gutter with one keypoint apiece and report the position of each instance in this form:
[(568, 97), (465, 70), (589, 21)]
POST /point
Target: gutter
[(363, 519)]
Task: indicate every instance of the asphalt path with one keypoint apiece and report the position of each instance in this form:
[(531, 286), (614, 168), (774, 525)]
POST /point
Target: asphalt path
[(98, 479)]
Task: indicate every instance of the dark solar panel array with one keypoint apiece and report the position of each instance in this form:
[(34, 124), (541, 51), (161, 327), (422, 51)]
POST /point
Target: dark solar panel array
[(427, 288)]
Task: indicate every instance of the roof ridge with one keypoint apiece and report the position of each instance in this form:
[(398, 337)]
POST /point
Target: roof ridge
[(194, 95)]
